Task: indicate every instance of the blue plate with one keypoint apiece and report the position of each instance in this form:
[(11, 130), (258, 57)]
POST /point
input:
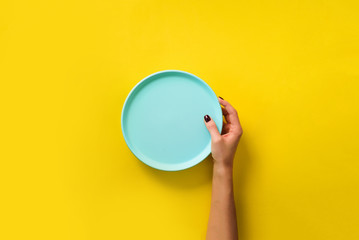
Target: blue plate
[(162, 120)]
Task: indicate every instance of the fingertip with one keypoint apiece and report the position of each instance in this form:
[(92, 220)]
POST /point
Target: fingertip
[(207, 118), (222, 101)]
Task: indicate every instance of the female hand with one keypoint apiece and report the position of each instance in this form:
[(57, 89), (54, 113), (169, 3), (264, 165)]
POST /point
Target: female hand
[(222, 222), (224, 146)]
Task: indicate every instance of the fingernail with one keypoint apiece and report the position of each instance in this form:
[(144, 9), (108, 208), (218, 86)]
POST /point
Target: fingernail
[(220, 97), (207, 118)]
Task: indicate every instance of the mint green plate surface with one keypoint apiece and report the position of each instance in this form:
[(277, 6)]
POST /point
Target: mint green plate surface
[(162, 120)]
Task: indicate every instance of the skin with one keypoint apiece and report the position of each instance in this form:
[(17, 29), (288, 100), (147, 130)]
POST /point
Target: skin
[(222, 223)]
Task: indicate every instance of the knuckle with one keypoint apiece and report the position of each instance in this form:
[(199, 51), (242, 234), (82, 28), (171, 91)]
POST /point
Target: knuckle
[(233, 110), (238, 132)]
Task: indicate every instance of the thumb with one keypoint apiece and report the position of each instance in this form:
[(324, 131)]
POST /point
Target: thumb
[(212, 127)]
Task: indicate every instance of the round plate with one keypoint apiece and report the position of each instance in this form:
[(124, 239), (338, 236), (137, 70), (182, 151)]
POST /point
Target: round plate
[(162, 120)]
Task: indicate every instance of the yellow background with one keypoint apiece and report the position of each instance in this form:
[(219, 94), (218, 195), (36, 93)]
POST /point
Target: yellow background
[(289, 67)]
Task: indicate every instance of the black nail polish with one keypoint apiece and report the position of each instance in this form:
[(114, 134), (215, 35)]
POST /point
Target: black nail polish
[(207, 118), (220, 97)]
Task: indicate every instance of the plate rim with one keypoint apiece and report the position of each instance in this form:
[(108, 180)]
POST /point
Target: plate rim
[(170, 167)]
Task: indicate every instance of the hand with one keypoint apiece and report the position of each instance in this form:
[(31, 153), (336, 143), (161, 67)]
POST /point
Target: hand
[(224, 146)]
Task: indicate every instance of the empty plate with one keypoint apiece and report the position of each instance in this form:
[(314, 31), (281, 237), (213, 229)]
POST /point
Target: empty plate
[(162, 120)]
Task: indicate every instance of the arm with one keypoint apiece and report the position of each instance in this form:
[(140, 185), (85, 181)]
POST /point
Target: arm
[(222, 223)]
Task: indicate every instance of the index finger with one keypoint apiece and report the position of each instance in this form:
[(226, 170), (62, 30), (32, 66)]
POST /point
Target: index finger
[(231, 115)]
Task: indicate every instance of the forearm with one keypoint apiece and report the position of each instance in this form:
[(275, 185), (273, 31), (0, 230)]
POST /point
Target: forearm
[(222, 223)]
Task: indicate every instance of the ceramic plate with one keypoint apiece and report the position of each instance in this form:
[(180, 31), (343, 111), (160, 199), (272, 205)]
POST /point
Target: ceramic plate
[(162, 120)]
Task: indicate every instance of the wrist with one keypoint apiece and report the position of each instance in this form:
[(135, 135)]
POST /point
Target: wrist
[(223, 168)]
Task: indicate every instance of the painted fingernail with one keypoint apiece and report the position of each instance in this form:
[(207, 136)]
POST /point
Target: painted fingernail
[(220, 97), (207, 118)]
